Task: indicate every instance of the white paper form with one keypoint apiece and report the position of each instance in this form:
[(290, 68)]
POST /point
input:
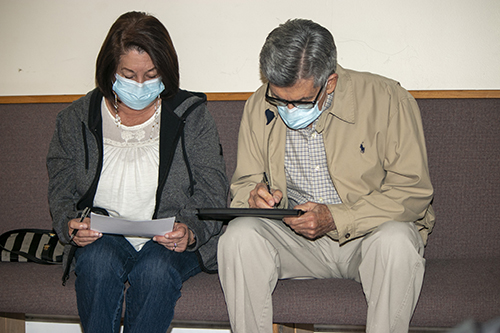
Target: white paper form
[(113, 225)]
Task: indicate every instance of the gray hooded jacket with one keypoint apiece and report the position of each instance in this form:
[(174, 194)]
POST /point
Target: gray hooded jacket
[(191, 168)]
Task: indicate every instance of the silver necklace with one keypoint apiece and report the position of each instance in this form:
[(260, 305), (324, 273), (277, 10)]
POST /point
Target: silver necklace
[(118, 120)]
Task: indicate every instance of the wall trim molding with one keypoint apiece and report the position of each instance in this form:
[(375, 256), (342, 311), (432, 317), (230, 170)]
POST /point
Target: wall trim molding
[(243, 96)]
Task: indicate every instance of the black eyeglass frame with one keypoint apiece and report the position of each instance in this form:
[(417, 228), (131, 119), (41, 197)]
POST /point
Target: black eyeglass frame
[(306, 105)]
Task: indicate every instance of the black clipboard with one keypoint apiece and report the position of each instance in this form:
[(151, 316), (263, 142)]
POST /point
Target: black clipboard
[(231, 213)]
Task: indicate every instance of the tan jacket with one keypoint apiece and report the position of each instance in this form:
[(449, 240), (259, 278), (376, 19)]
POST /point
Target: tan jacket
[(375, 150)]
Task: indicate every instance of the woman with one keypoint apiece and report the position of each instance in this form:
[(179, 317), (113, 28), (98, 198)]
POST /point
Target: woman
[(137, 147)]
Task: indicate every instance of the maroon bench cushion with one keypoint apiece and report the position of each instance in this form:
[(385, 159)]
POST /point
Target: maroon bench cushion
[(463, 266), (454, 290)]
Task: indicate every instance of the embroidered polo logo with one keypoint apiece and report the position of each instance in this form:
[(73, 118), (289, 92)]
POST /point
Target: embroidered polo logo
[(362, 148)]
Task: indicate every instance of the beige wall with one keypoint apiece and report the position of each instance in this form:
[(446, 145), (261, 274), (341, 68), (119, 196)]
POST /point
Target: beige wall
[(49, 46)]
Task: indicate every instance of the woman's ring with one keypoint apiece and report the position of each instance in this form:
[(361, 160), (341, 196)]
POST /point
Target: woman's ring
[(175, 246)]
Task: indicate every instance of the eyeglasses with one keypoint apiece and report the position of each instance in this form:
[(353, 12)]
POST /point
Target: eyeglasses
[(298, 104)]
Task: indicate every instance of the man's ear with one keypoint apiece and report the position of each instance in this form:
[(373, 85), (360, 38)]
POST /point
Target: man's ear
[(331, 83)]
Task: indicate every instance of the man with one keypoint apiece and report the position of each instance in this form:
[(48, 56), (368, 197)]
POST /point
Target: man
[(348, 149)]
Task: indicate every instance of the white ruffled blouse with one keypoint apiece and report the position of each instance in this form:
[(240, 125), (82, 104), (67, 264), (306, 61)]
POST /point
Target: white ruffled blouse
[(129, 177)]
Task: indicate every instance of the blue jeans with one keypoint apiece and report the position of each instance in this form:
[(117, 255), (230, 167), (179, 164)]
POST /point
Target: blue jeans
[(155, 276)]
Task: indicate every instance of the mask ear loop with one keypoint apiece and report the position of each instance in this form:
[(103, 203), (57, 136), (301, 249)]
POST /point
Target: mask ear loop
[(115, 104), (118, 120), (156, 123)]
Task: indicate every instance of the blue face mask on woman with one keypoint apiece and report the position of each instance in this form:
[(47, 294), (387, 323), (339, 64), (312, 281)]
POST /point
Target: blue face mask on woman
[(296, 118), (137, 95)]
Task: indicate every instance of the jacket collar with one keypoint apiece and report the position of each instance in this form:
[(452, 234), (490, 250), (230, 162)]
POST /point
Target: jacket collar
[(343, 104)]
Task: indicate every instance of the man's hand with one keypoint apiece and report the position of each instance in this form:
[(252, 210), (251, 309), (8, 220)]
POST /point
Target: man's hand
[(314, 223), (84, 236), (261, 198)]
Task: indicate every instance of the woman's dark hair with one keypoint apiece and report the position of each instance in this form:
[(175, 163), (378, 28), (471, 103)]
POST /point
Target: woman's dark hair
[(141, 32)]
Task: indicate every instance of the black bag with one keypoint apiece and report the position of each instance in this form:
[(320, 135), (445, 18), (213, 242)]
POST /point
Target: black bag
[(31, 245)]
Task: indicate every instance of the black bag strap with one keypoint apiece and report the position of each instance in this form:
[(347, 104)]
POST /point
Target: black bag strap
[(71, 255)]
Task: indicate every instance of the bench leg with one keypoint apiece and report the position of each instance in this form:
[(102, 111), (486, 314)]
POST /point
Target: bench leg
[(12, 323), (293, 328)]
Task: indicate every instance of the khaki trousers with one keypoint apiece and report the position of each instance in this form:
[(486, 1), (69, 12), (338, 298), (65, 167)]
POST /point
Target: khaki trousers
[(254, 253)]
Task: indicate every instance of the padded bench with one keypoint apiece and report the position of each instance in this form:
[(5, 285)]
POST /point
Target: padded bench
[(462, 279)]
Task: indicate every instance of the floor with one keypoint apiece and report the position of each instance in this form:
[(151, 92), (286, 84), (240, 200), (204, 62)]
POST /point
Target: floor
[(74, 327), (63, 324), (48, 327)]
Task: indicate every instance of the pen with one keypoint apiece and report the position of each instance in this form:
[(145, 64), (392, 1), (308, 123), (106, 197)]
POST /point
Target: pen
[(266, 181), (85, 213)]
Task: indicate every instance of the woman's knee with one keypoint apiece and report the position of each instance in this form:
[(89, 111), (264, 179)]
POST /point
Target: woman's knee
[(158, 265), (102, 259)]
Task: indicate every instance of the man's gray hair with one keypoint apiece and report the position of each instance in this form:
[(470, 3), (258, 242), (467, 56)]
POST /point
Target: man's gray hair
[(298, 49)]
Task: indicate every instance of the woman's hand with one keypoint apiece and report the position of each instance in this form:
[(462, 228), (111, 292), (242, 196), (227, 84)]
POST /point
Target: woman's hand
[(178, 239), (84, 236)]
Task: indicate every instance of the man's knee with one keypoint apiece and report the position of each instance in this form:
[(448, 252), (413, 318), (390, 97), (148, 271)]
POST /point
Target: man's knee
[(398, 237), (240, 231), (247, 239)]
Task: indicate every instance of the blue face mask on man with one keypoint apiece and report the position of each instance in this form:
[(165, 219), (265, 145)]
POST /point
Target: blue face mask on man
[(296, 118), (137, 95)]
